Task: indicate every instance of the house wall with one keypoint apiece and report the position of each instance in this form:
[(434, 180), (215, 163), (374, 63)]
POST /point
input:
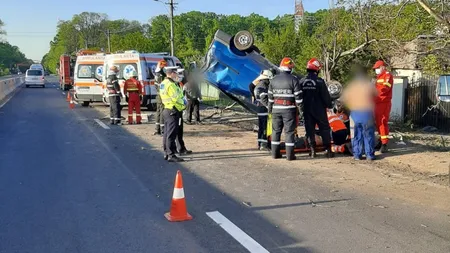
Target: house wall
[(413, 75)]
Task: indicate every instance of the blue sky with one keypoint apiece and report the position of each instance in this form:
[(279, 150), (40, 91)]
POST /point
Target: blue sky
[(32, 26)]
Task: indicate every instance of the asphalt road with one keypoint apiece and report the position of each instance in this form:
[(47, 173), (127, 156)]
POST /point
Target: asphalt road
[(68, 185)]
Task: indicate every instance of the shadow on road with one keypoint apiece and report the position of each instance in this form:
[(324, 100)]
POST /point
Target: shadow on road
[(158, 176), (309, 203)]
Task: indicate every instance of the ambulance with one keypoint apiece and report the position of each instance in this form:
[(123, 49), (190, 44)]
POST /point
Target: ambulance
[(144, 64), (88, 74)]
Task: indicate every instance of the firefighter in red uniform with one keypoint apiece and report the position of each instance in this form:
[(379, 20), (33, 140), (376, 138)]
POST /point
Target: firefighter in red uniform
[(133, 90), (383, 102)]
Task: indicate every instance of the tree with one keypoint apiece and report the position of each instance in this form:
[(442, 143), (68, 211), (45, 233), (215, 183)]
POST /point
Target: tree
[(2, 24)]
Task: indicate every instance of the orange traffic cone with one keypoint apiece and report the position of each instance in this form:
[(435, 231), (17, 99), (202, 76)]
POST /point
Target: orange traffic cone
[(178, 210), (68, 96), (71, 104)]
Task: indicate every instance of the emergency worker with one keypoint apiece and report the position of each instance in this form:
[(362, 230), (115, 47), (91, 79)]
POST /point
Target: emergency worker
[(133, 91), (383, 102), (339, 132), (174, 104), (285, 95), (181, 147), (262, 102), (315, 103), (114, 94), (159, 78)]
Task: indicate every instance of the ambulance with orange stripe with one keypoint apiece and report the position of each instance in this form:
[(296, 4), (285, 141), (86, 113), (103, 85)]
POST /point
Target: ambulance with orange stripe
[(88, 75), (144, 64)]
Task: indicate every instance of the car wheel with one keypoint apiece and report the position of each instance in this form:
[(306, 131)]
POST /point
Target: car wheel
[(85, 103), (43, 86), (27, 86), (243, 40)]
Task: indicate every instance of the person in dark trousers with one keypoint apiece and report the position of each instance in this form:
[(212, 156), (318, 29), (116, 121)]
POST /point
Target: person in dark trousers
[(262, 99), (114, 94), (181, 147), (174, 104), (159, 78), (316, 100), (285, 95), (194, 97)]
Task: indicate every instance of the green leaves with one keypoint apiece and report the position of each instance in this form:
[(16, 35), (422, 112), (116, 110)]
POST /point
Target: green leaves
[(356, 32)]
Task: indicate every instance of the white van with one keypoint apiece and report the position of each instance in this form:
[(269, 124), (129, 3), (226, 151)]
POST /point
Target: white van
[(34, 77), (88, 75), (37, 66), (145, 65)]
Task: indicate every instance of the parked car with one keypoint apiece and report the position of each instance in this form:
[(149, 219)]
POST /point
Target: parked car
[(443, 88), (232, 63), (34, 77)]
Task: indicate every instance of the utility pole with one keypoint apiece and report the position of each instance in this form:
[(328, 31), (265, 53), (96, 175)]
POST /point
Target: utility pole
[(172, 46), (108, 35), (171, 4)]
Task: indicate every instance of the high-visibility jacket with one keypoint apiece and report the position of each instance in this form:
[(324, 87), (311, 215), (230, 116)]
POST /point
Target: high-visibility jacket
[(384, 87), (172, 95), (336, 123), (132, 85)]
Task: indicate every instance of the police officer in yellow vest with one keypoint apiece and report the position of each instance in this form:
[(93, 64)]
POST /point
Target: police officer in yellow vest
[(173, 100)]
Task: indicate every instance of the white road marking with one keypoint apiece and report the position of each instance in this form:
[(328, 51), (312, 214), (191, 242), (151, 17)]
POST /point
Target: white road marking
[(240, 236), (102, 124), (63, 93), (75, 102)]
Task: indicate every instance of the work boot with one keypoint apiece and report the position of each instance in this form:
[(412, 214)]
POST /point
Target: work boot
[(329, 153), (166, 157), (312, 153), (175, 159), (157, 133), (276, 153), (290, 155), (185, 152), (384, 148)]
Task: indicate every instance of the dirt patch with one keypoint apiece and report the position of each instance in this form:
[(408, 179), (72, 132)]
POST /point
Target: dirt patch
[(406, 174)]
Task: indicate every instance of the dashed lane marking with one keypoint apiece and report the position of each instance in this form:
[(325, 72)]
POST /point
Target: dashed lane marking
[(102, 124), (63, 93), (245, 240)]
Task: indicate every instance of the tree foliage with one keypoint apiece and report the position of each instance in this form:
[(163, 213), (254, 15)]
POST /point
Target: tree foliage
[(355, 32), (10, 55)]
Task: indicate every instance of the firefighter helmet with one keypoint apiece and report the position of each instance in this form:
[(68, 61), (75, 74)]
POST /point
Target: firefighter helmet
[(287, 64), (314, 64), (379, 64)]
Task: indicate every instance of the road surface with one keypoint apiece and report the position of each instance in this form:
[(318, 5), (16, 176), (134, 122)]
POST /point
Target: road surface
[(67, 184)]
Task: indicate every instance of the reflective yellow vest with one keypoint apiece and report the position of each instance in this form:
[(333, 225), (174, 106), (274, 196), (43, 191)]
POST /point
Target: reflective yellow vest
[(171, 95)]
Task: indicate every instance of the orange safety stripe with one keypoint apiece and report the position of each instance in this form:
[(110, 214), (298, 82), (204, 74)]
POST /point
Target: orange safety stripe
[(124, 61), (384, 137), (85, 84)]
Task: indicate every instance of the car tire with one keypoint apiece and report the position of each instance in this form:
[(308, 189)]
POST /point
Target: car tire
[(243, 40), (27, 86), (43, 86), (85, 103)]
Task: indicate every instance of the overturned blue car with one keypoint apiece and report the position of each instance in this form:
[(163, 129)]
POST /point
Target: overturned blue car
[(232, 63)]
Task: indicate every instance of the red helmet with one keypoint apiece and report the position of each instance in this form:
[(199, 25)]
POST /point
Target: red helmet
[(314, 64), (379, 64), (287, 64)]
